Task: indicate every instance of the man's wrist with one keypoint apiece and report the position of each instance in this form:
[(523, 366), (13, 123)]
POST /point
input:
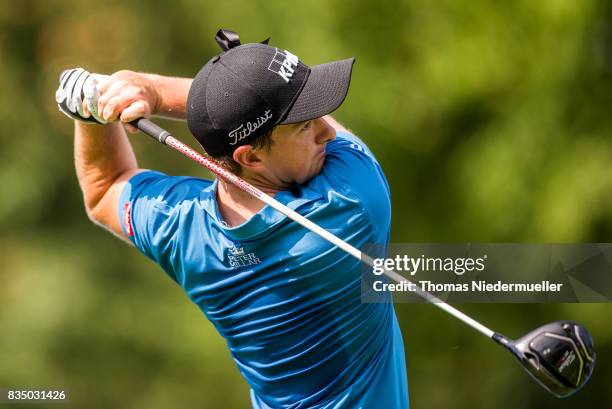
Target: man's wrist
[(171, 95), (91, 128), (156, 82)]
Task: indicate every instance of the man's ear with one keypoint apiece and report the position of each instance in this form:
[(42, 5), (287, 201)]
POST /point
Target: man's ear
[(247, 157)]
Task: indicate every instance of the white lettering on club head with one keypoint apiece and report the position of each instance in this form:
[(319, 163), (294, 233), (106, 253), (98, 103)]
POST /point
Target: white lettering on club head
[(567, 358), (248, 128), (284, 63)]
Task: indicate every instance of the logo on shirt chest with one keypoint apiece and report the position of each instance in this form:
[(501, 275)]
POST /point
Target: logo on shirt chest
[(238, 258)]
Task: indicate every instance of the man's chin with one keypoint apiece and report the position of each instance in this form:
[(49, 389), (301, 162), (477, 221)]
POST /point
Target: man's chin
[(317, 168)]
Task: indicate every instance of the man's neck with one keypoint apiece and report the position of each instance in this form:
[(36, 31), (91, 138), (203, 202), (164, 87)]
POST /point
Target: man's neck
[(237, 206)]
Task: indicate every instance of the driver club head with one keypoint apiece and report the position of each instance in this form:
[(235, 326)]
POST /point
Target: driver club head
[(560, 356)]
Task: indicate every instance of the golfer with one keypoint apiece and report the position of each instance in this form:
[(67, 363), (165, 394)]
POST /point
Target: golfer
[(287, 302)]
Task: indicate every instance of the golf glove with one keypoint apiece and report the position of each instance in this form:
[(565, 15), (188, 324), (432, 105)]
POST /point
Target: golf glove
[(78, 85)]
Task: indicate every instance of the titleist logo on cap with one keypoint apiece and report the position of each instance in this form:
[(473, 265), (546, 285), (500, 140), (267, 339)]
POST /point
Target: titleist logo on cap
[(248, 128), (283, 63)]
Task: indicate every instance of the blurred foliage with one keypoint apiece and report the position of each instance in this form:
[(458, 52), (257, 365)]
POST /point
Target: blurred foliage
[(491, 120)]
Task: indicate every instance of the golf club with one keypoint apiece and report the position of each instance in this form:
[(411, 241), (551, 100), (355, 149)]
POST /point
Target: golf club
[(560, 356)]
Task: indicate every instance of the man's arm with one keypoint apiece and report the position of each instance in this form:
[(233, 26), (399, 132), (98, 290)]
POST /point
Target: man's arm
[(335, 124), (104, 158), (104, 162)]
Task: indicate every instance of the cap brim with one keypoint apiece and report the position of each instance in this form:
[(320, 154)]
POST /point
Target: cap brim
[(324, 91)]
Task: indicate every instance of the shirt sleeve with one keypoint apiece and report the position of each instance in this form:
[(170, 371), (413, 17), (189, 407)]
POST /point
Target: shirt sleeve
[(152, 208), (352, 168)]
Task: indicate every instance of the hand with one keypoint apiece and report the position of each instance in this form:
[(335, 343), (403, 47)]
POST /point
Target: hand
[(128, 95), (77, 95)]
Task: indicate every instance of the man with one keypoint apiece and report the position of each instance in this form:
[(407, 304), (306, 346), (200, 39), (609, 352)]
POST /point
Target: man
[(286, 301)]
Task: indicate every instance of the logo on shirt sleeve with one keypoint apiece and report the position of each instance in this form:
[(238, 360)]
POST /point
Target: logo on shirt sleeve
[(127, 219), (357, 147), (239, 258)]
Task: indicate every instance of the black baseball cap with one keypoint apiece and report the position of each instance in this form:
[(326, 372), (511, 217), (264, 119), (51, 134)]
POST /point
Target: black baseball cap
[(248, 89)]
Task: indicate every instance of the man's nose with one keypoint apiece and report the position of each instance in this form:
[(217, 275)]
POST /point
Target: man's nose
[(326, 132)]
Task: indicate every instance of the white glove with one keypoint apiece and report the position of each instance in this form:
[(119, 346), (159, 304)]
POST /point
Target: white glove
[(78, 85)]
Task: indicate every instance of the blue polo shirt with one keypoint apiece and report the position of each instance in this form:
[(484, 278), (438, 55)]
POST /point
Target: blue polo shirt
[(287, 302)]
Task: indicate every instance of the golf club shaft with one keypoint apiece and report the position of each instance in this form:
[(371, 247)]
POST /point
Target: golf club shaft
[(164, 137)]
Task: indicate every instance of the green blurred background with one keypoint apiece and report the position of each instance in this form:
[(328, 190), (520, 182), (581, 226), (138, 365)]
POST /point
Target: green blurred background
[(492, 122)]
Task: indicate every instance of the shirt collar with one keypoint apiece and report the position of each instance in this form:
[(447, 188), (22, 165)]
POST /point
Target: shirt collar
[(262, 222)]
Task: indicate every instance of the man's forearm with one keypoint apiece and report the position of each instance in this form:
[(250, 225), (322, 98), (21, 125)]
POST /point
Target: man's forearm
[(102, 154), (172, 96)]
